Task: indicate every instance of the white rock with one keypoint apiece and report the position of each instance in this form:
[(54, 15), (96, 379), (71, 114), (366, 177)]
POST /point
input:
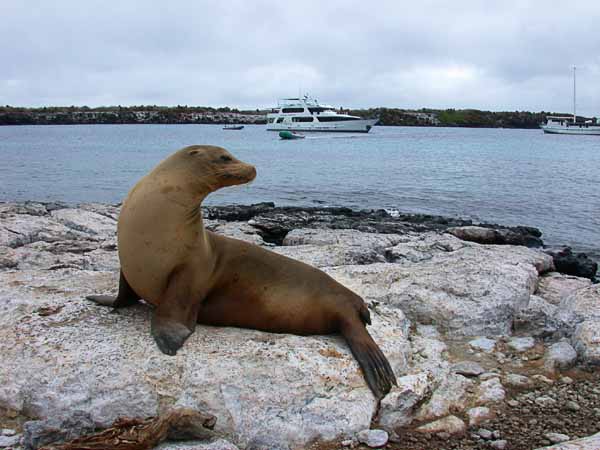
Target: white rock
[(543, 379), (518, 381), (560, 355), (580, 306), (88, 222), (219, 444), (586, 341), (238, 230), (500, 444), (9, 441), (521, 344), (554, 286), (330, 255), (537, 318), (105, 363), (16, 231), (468, 368), (462, 287), (479, 415), (448, 424), (396, 408), (556, 438), (373, 438), (490, 391), (586, 443), (483, 344), (350, 238), (450, 395), (8, 432)]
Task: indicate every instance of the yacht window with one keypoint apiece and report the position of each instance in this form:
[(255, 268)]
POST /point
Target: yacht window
[(302, 119), (292, 110), (280, 120), (336, 118), (317, 110)]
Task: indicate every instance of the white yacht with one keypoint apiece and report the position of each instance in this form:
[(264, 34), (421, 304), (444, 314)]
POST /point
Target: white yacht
[(568, 124), (307, 114)]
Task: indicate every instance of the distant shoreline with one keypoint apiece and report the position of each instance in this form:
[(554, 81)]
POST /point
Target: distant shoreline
[(179, 115)]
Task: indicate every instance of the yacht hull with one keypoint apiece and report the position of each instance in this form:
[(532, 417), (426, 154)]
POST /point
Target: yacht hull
[(349, 126), (595, 131)]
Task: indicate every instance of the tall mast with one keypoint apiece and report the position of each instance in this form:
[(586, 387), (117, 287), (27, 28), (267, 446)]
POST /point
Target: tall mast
[(574, 95)]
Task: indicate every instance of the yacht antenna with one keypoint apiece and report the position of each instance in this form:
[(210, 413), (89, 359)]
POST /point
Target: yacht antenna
[(574, 94)]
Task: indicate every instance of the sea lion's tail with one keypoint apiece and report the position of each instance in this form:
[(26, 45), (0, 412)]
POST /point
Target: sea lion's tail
[(373, 363)]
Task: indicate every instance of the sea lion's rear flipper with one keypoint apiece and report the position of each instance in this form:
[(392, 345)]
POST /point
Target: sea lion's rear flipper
[(125, 297), (174, 319), (375, 366)]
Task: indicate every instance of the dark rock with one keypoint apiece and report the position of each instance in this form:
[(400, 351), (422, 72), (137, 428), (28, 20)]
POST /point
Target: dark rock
[(236, 212), (41, 432), (577, 264), (484, 234)]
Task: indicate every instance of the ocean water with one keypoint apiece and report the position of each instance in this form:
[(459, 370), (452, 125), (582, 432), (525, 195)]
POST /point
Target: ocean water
[(511, 177)]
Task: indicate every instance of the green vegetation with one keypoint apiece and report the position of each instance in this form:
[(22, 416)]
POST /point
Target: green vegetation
[(201, 114)]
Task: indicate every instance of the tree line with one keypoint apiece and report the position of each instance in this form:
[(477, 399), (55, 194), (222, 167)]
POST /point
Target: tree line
[(200, 114)]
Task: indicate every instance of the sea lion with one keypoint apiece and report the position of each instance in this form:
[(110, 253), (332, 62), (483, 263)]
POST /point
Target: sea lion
[(192, 275)]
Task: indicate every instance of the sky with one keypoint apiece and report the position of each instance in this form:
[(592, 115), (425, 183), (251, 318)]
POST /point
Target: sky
[(492, 55)]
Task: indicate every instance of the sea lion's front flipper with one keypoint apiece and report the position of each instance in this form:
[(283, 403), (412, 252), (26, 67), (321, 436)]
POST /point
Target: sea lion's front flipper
[(125, 297), (375, 366), (174, 319)]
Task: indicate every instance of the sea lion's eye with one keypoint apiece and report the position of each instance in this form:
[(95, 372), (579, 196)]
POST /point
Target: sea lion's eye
[(226, 158)]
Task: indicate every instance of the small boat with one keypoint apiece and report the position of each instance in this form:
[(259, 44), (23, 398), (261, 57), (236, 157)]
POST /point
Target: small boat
[(233, 127), (290, 135), (568, 124)]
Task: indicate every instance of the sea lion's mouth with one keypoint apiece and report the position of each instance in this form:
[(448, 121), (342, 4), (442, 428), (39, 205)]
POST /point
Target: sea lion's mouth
[(238, 174)]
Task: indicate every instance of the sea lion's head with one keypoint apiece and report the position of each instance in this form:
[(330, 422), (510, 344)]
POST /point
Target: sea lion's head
[(206, 168)]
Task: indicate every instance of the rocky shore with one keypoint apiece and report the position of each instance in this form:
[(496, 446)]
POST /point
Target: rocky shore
[(491, 345)]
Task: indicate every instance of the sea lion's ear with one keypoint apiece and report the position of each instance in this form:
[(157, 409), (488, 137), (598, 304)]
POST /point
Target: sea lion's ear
[(193, 152)]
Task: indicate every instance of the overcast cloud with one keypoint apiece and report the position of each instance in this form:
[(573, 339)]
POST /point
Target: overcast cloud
[(497, 55)]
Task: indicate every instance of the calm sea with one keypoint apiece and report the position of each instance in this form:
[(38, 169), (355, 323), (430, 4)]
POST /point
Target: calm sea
[(512, 177)]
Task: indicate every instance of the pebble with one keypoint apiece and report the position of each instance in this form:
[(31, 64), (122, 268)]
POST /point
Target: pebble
[(566, 380), (10, 441), (545, 401), (572, 406), (560, 355), (468, 368), (373, 438), (448, 424), (521, 344), (491, 391), (478, 415), (513, 403), (496, 434), (484, 434), (349, 443), (482, 343), (516, 380), (488, 376), (543, 379), (556, 438), (499, 444)]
